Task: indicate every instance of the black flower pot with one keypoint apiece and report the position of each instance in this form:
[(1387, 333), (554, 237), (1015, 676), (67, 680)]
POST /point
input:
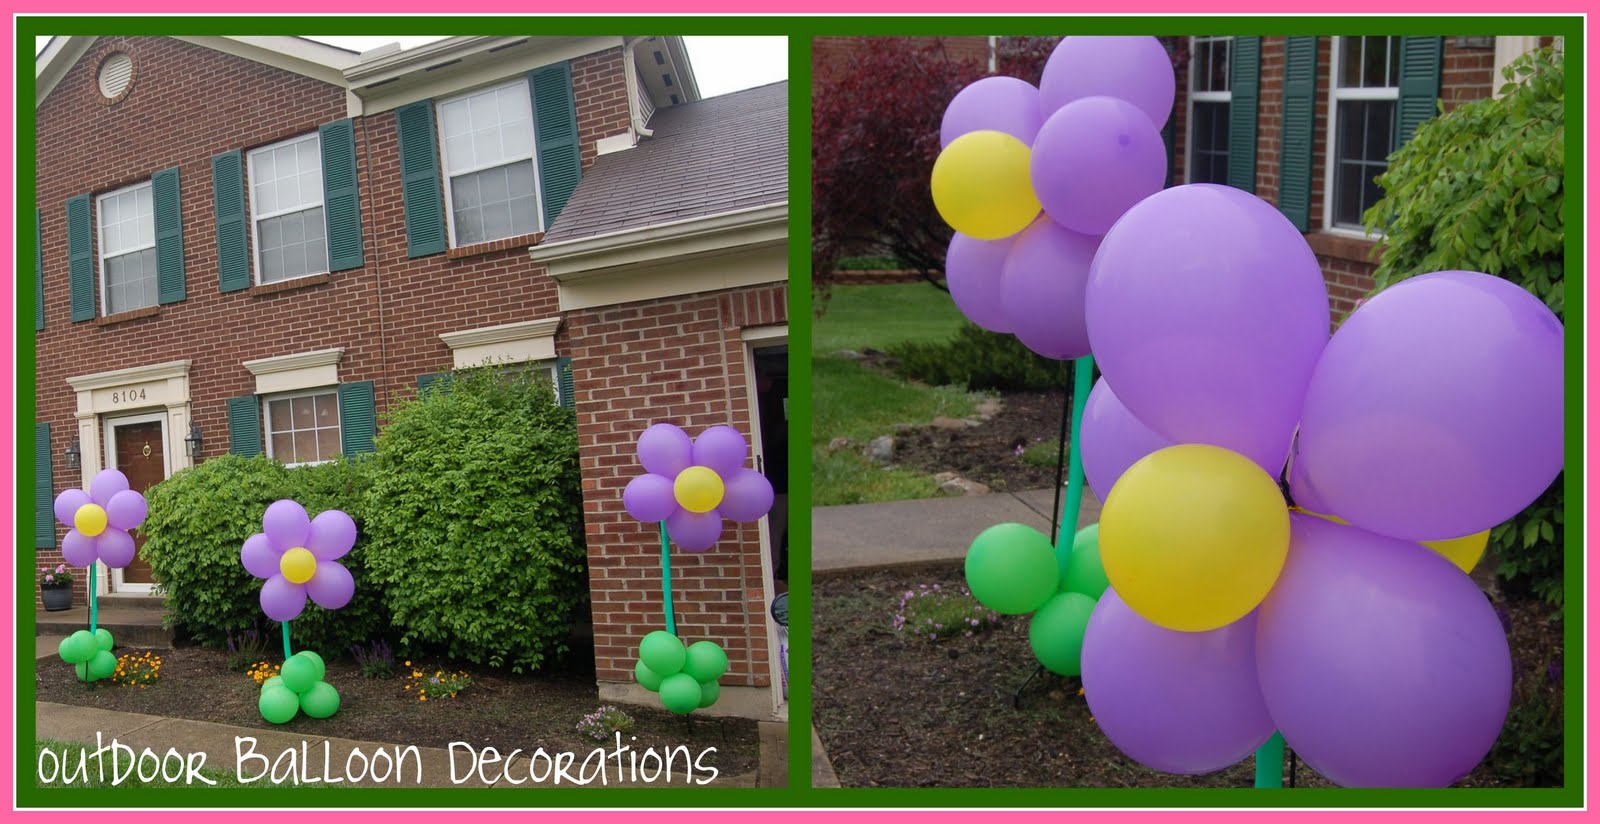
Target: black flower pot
[(57, 597)]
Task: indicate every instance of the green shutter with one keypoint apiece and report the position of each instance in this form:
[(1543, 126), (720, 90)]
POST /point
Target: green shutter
[(80, 258), (569, 398), (340, 198), (358, 422), (1245, 68), (244, 425), (1420, 61), (166, 192), (38, 269), (555, 118), (233, 242), (419, 179), (1299, 123), (432, 381), (44, 492)]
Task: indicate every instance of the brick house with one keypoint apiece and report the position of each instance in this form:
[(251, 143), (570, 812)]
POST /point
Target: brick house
[(257, 244)]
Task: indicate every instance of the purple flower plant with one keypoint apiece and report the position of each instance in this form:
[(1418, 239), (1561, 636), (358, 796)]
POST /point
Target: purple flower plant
[(100, 519), (673, 463), (298, 557)]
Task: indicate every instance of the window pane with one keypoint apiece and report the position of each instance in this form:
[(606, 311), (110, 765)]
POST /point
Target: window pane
[(1347, 195), (315, 223), (305, 446), (294, 230), (305, 412), (486, 146), (278, 412), (266, 199), (283, 447), (328, 443), (464, 191), (264, 166), (317, 257), (271, 265), (108, 210), (1394, 61), (1350, 61), (517, 138), (519, 179), (458, 151), (524, 217), (327, 409), (1375, 62), (484, 111), (515, 104), (493, 185), (143, 196), (309, 153), (1352, 116), (455, 119), (469, 226), (1379, 129), (294, 263), (111, 237), (497, 221), (1219, 64)]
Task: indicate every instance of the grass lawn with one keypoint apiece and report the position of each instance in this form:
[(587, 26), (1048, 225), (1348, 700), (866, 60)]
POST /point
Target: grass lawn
[(856, 317), (71, 752)]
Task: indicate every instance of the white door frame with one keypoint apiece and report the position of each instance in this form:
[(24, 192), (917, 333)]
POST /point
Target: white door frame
[(762, 337), (113, 581)]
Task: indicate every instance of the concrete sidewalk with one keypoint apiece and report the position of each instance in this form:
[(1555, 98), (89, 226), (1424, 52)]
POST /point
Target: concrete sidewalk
[(927, 531)]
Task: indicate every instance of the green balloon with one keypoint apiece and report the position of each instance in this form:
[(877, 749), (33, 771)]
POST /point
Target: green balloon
[(103, 640), (102, 665), (1056, 632), (321, 701), (78, 647), (1011, 569), (278, 704), (710, 691), (662, 652), (705, 661), (300, 673), (1084, 572), (646, 677), (317, 658), (680, 693), (274, 680)]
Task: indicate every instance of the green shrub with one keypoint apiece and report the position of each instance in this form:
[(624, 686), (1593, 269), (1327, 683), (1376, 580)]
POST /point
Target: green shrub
[(1482, 188), (1529, 751), (979, 359), (474, 520)]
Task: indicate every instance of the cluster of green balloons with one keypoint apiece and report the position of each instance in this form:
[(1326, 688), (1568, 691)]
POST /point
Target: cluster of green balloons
[(298, 686), (685, 678), (90, 654), (1013, 570)]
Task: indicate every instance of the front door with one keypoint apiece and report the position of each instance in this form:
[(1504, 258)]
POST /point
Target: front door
[(136, 445), (767, 366)]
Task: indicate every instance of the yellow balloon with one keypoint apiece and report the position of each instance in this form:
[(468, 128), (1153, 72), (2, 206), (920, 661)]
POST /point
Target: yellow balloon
[(90, 519), (1192, 537), (698, 489), (981, 185), (298, 565), (1465, 552)]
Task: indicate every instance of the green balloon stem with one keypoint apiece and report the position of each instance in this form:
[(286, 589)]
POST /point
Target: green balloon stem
[(1269, 764), (1082, 373), (286, 654), (666, 580), (94, 604)]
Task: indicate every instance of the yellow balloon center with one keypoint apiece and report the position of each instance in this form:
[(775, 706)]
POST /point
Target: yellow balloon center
[(982, 186), (90, 519), (298, 565), (1465, 552), (698, 489)]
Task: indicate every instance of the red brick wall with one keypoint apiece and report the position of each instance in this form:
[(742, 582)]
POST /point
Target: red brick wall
[(678, 360)]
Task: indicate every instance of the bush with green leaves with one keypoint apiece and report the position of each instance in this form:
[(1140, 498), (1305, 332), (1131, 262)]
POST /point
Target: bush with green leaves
[(979, 359), (1482, 188), (474, 522)]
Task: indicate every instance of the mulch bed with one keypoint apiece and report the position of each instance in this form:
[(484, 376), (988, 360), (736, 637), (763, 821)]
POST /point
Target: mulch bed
[(501, 710), (987, 453), (904, 711)]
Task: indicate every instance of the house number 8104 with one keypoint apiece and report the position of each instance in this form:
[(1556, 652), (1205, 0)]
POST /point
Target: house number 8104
[(127, 395)]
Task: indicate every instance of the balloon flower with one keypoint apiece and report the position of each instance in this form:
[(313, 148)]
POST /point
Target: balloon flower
[(298, 687), (298, 557), (692, 485), (99, 521), (684, 677)]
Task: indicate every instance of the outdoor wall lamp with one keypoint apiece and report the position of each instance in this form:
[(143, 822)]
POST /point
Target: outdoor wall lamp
[(74, 455), (194, 441)]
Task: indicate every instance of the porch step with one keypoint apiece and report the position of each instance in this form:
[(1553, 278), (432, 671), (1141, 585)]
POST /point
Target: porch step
[(133, 603), (130, 626)]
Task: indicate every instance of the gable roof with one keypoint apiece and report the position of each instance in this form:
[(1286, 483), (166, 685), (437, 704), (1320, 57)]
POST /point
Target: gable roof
[(723, 154), (300, 55)]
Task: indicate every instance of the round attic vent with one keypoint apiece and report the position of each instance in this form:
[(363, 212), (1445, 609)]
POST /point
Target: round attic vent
[(115, 74)]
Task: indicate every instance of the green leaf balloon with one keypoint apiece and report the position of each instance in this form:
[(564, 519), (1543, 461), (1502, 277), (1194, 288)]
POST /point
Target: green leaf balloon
[(680, 693), (103, 639), (1011, 568), (1055, 633), (662, 652), (321, 701), (301, 673), (646, 677), (278, 704), (102, 665), (710, 691), (705, 661), (1084, 571)]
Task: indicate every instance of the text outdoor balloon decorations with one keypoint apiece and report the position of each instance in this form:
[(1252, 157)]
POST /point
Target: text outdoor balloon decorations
[(99, 522), (1433, 414)]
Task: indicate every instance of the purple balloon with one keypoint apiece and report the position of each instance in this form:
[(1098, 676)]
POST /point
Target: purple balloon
[(722, 449), (282, 600), (106, 483), (649, 498), (78, 549), (694, 531), (1093, 160), (126, 510), (746, 496), (1178, 702), (333, 533), (1382, 664), (1300, 490), (1113, 439), (286, 525), (258, 557), (1041, 289), (665, 450), (972, 273), (68, 503), (1207, 311), (998, 104), (115, 548), (1437, 408), (332, 586), (1135, 69)]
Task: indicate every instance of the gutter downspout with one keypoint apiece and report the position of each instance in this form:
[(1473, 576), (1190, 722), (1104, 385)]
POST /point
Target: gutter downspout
[(631, 80)]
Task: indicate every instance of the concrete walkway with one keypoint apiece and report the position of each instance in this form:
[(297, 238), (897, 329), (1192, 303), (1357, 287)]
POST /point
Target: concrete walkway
[(927, 531)]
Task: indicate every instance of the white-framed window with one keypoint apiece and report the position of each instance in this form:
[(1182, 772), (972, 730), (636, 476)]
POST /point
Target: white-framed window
[(1210, 103), (302, 427), (286, 212), (127, 249), (1364, 99), (487, 147)]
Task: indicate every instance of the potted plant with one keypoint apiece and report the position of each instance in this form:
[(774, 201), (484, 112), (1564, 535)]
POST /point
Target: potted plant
[(55, 586)]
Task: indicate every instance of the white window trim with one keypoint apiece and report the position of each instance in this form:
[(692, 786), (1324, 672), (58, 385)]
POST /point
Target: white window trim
[(266, 419), (256, 217), (100, 238), (447, 173), (1330, 161), (292, 373), (1202, 97)]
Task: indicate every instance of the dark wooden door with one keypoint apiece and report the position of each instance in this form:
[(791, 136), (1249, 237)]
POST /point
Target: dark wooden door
[(140, 456)]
